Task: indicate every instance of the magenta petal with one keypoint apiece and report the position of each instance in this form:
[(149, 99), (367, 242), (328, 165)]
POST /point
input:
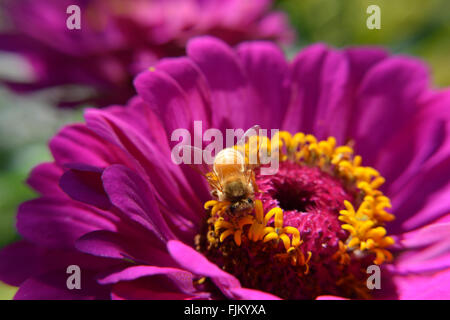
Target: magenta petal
[(141, 290), (196, 263), (177, 91), (429, 250), (267, 71), (13, 270), (276, 23), (181, 278), (23, 260), (426, 131), (416, 171), (66, 147), (424, 287), (427, 194), (189, 77), (128, 192), (58, 222), (166, 98), (435, 258), (149, 124), (388, 95), (147, 158), (44, 179), (83, 183), (141, 249), (52, 286), (305, 76), (339, 77), (330, 298), (226, 79), (426, 235), (334, 103), (362, 60), (103, 244), (250, 294)]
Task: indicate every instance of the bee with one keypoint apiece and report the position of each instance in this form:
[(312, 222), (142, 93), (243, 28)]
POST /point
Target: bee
[(231, 178), (233, 181)]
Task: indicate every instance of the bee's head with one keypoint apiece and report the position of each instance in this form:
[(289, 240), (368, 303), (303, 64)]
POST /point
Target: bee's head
[(242, 206)]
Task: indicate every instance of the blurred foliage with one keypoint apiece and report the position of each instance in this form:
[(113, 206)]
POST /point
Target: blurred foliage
[(415, 27), (7, 292), (26, 124)]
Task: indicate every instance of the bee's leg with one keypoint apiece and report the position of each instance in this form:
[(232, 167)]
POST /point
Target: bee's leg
[(214, 193), (253, 180)]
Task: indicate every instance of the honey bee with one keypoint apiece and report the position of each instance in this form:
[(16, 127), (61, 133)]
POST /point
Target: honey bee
[(232, 179)]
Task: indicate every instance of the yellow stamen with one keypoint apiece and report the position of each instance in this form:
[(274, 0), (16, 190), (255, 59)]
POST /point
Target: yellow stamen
[(342, 255), (237, 237), (232, 228), (218, 207), (366, 233), (258, 228), (271, 236), (296, 258), (279, 232), (222, 224), (286, 241), (210, 203), (304, 262)]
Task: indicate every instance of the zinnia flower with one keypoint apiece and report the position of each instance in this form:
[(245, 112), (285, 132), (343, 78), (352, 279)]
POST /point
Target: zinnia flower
[(363, 140), (117, 40)]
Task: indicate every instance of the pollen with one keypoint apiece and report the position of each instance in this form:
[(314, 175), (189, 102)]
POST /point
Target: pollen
[(366, 234), (365, 225), (278, 232), (316, 224)]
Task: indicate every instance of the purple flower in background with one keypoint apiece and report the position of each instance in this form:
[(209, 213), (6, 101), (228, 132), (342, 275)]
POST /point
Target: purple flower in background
[(115, 204), (118, 39)]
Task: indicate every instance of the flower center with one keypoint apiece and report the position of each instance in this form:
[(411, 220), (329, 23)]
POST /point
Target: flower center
[(310, 200), (304, 238)]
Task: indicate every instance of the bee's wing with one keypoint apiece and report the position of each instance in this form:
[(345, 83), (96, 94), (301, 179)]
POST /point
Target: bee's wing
[(196, 156), (249, 145), (254, 131)]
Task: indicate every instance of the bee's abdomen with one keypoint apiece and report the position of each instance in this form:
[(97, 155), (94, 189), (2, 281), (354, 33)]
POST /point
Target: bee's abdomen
[(228, 162)]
